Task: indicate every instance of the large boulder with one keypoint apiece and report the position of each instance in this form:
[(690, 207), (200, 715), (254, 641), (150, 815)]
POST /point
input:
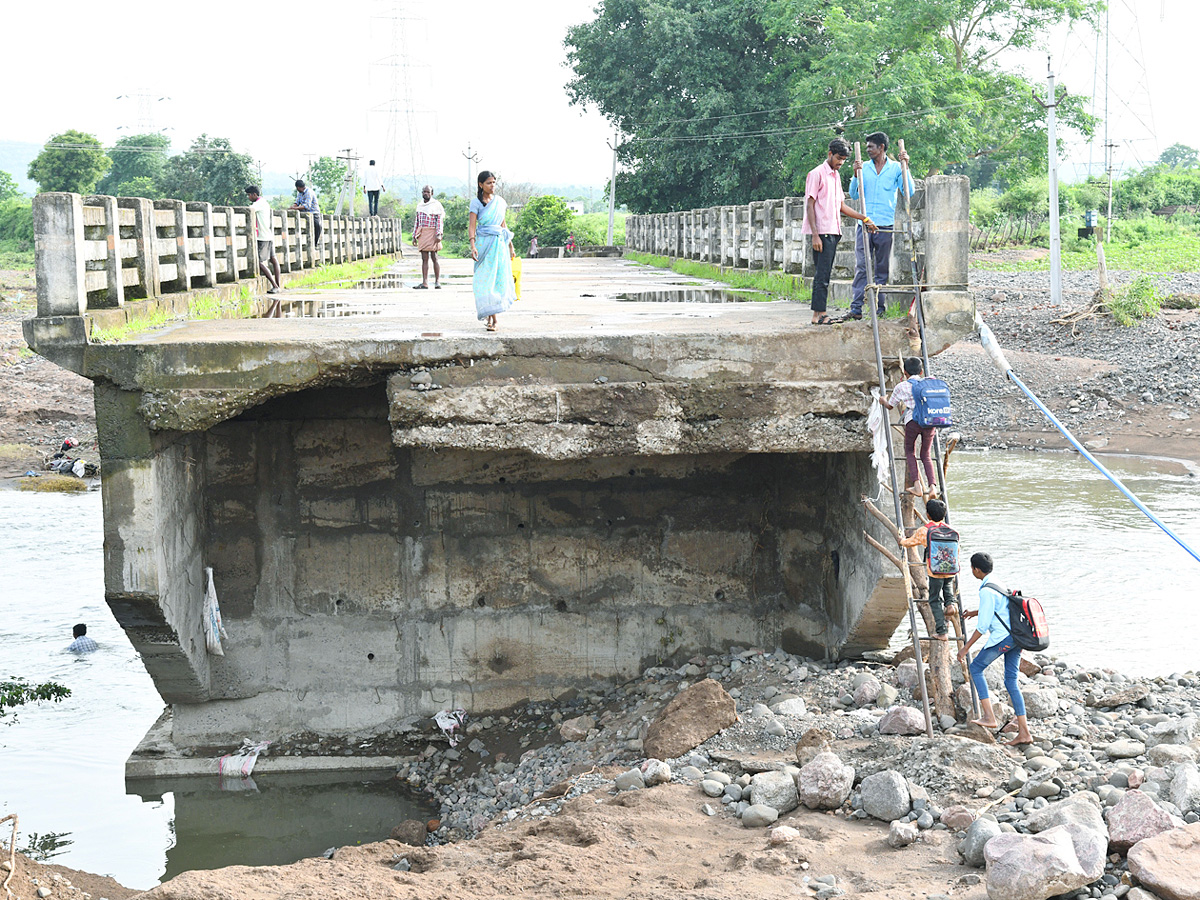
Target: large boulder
[(901, 834), (1136, 817), (885, 795), (695, 715), (759, 816), (902, 720), (825, 782), (907, 675), (867, 691), (1169, 863), (1080, 809), (1034, 866), (1041, 704), (1185, 787), (976, 839), (774, 789), (1174, 731)]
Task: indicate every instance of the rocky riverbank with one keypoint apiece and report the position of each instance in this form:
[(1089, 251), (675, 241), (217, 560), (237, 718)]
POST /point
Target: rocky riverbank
[(759, 773)]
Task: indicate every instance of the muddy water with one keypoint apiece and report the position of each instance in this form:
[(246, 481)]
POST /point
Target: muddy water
[(62, 766), (1118, 592)]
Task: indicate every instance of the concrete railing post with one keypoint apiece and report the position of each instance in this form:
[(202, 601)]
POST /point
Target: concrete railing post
[(310, 242), (768, 234), (790, 230), (947, 210), (208, 251), (145, 254), (58, 251), (179, 226), (113, 276), (225, 243), (282, 243), (244, 235)]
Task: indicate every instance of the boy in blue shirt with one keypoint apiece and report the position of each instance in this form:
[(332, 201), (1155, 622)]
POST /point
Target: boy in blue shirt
[(998, 641)]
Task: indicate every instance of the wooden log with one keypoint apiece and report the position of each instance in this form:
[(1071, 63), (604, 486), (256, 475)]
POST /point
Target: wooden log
[(896, 561)]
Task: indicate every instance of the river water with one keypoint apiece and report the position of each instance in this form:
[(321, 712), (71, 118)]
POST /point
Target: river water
[(1118, 593)]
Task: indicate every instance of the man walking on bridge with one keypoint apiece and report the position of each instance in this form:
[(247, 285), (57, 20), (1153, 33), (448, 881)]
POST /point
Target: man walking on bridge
[(264, 234), (824, 205), (878, 183)]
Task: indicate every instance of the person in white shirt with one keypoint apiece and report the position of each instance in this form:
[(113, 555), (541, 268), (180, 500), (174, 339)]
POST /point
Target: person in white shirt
[(264, 234), (372, 184)]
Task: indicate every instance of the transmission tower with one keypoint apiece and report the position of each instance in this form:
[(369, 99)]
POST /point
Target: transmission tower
[(399, 108), (146, 102)]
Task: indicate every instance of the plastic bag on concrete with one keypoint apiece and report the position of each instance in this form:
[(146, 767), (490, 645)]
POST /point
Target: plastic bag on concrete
[(213, 629), (451, 722), (242, 762)]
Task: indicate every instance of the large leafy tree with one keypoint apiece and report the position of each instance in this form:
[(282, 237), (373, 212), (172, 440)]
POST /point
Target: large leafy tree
[(546, 216), (725, 101), (209, 171), (684, 80), (71, 161), (139, 163), (932, 73), (326, 175), (8, 187)]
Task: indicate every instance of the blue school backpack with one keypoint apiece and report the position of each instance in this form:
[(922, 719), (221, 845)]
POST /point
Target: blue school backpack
[(931, 402)]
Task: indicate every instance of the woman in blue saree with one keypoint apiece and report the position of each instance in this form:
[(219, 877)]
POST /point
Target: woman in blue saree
[(491, 248)]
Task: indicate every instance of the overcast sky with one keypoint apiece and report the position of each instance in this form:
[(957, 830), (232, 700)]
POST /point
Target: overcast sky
[(284, 81)]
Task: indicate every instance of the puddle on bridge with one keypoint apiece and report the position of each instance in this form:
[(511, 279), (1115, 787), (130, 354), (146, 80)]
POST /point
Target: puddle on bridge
[(693, 295), (385, 281), (335, 307)]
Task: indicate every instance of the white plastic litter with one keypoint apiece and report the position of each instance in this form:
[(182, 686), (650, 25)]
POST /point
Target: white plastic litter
[(242, 762), (451, 722), (213, 629), (876, 423)]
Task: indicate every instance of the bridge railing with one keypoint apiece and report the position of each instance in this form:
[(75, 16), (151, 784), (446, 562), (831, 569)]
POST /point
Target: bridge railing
[(766, 235), (97, 252)]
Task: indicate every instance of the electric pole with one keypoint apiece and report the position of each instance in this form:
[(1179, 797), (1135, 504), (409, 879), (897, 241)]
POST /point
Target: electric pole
[(1108, 218), (471, 158), (349, 181), (1052, 157), (612, 191)]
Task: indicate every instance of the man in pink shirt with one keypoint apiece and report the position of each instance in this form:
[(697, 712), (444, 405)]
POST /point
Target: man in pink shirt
[(824, 205)]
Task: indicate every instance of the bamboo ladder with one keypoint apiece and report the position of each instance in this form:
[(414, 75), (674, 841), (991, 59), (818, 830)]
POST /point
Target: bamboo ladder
[(905, 561)]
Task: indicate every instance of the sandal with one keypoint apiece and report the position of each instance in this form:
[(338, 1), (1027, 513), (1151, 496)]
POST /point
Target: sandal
[(420, 287), (822, 320)]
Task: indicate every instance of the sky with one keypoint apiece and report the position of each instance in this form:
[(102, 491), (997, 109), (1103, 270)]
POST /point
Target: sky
[(286, 82)]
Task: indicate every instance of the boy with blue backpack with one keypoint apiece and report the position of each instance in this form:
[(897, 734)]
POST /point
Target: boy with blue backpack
[(926, 403), (941, 561)]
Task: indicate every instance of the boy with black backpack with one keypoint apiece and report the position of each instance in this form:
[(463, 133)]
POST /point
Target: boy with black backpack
[(994, 627), (941, 561), (926, 403)]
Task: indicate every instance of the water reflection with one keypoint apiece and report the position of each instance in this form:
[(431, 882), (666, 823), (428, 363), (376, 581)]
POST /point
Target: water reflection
[(278, 818), (693, 295)]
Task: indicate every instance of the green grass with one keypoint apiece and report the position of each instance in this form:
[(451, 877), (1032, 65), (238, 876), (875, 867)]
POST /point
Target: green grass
[(774, 283), (1141, 245), (342, 275), (15, 255), (1139, 300), (154, 319), (53, 483)]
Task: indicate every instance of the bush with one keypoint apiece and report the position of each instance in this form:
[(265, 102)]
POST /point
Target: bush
[(547, 217), (16, 223), (1139, 300)]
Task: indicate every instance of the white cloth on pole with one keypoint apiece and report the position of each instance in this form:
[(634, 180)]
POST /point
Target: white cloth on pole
[(877, 422)]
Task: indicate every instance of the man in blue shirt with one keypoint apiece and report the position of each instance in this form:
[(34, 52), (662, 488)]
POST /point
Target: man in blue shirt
[(879, 179), (993, 628), (82, 643), (306, 199)]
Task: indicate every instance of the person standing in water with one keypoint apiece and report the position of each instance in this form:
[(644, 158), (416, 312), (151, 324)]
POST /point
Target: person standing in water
[(491, 248)]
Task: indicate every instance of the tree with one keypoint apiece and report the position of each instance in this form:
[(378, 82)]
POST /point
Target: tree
[(8, 187), (548, 217), (209, 171), (931, 73), (326, 175), (18, 691), (137, 161), (71, 161), (1177, 156), (684, 81)]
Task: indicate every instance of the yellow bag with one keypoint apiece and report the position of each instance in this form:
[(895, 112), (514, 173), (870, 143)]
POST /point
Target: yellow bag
[(516, 267)]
